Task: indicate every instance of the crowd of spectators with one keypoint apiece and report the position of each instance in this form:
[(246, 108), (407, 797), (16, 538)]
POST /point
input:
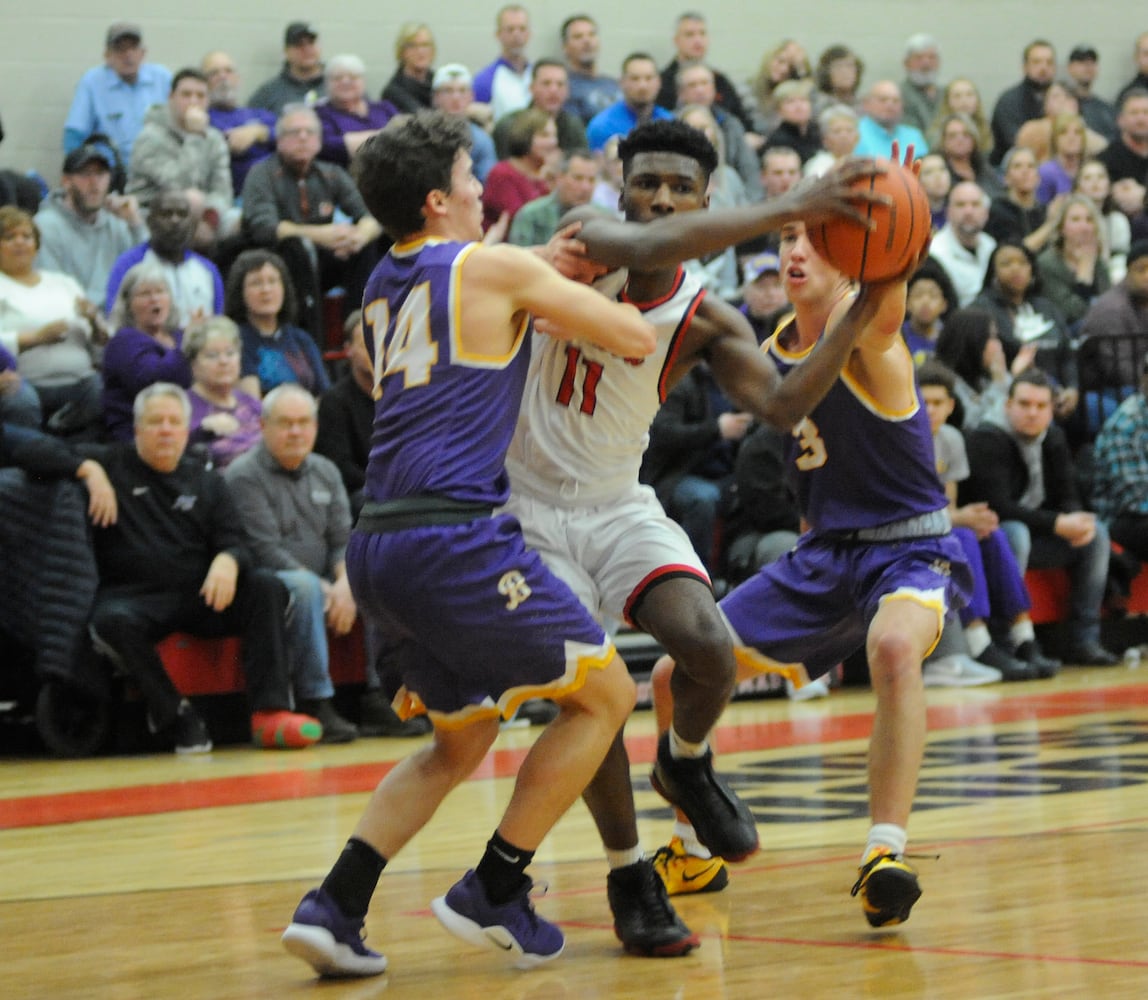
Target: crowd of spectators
[(217, 247)]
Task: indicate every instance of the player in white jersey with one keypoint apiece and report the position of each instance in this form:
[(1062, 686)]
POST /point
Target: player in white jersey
[(574, 467)]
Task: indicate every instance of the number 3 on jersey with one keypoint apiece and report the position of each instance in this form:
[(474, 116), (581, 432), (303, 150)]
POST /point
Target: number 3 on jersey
[(410, 349), (590, 379), (812, 444)]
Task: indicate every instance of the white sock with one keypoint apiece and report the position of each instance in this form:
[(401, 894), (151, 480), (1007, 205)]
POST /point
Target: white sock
[(685, 833), (623, 859), (887, 835), (680, 748), (978, 639), (1021, 631)]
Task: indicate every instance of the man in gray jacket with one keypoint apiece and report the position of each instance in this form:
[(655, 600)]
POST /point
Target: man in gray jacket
[(83, 228), (296, 513)]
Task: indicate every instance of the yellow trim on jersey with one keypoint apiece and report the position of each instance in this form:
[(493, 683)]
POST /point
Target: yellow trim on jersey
[(866, 399), (459, 354), (757, 662), (414, 246)]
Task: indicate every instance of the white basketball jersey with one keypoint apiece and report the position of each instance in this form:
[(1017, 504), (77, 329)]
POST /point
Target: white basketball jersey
[(586, 414)]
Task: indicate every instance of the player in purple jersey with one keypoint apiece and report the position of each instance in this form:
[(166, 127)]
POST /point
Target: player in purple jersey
[(877, 566), (574, 473), (448, 321)]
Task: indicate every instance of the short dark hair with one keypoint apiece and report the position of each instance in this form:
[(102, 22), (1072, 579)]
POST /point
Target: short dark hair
[(188, 73), (245, 263), (398, 167), (543, 64), (571, 20), (1130, 94), (634, 56), (1031, 376), (669, 137), (934, 372)]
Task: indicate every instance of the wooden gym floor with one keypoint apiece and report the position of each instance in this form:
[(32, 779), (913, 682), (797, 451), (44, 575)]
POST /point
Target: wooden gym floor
[(157, 877)]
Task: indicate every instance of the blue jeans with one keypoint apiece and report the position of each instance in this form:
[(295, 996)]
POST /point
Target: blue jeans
[(307, 635), (1087, 568), (694, 504), (22, 406)]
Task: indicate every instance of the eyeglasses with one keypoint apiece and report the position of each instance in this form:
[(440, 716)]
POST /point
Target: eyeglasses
[(227, 354), (292, 132)]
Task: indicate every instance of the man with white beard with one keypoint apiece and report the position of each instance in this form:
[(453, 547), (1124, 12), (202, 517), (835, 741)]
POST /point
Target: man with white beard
[(919, 91)]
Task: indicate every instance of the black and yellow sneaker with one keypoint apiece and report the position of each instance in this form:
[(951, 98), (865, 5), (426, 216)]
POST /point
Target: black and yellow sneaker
[(683, 873), (888, 888)]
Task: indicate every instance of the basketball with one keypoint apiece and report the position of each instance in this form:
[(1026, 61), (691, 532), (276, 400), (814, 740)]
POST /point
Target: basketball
[(900, 234)]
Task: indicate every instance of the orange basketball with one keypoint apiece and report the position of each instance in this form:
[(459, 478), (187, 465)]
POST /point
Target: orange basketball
[(900, 234)]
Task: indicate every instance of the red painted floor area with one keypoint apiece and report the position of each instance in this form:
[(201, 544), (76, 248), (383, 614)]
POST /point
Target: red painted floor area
[(140, 800)]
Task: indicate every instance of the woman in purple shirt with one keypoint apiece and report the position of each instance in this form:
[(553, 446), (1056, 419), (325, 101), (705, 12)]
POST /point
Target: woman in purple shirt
[(347, 117), (223, 419)]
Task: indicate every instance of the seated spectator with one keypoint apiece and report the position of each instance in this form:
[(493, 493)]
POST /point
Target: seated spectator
[(787, 61), (224, 419), (195, 282), (1021, 466), (1074, 267), (261, 300), (1016, 214), (970, 347), (347, 117), (300, 81), (84, 227), (1120, 471), (144, 349), (1092, 181), (50, 328), (409, 90), (290, 205), (998, 585), (608, 191), (504, 85), (936, 182), (347, 415), (537, 220), (763, 297), (249, 132), (1025, 317), (1025, 100), (452, 94), (882, 124), (639, 84), (795, 127), (919, 91), (929, 299), (179, 150), (549, 89), (961, 97), (112, 99), (48, 493), (1065, 155), (19, 402), (838, 127), (962, 247), (1121, 312), (177, 559), (295, 511), (1126, 157), (590, 91), (528, 171), (697, 88), (958, 143), (838, 79), (689, 461), (692, 43), (1036, 133)]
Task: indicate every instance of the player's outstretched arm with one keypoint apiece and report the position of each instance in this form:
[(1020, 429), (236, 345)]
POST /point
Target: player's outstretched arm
[(562, 308), (668, 241)]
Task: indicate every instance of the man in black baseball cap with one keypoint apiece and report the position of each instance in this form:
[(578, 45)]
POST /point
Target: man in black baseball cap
[(1083, 67), (300, 81)]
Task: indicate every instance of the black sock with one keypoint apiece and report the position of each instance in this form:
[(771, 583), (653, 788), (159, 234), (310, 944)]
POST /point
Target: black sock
[(502, 870), (351, 882)]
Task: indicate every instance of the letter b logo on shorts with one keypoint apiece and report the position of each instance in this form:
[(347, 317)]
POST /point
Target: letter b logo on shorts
[(514, 587)]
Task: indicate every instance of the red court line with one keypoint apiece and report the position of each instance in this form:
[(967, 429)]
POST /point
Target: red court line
[(141, 800)]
